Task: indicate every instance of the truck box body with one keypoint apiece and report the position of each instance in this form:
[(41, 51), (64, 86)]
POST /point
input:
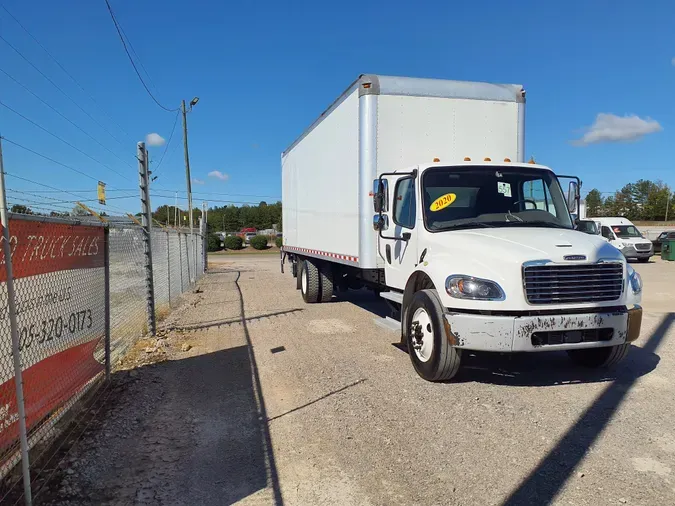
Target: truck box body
[(380, 124)]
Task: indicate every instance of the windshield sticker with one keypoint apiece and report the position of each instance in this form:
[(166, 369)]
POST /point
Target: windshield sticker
[(504, 188), (442, 202)]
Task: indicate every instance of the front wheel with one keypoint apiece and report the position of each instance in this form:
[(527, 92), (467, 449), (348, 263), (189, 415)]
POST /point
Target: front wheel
[(430, 352), (606, 356)]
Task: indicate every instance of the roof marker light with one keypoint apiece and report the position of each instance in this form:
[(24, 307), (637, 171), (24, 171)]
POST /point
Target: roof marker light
[(467, 159), (437, 160), (507, 159), (487, 159)]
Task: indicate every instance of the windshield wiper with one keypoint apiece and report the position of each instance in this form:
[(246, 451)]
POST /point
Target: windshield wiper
[(473, 224), (537, 223)]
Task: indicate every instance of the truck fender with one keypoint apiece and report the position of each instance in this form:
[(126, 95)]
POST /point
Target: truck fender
[(418, 280)]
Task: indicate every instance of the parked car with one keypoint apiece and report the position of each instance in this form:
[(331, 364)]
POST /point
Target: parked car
[(623, 235), (248, 236), (658, 242)]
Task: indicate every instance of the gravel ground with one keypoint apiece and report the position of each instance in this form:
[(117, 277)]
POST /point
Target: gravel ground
[(312, 404)]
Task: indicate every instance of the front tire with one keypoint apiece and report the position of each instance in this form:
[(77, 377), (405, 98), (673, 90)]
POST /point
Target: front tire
[(606, 356), (430, 352), (309, 282)]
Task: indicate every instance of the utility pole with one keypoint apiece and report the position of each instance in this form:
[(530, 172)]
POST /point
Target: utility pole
[(188, 178), (14, 332), (146, 217), (668, 204)]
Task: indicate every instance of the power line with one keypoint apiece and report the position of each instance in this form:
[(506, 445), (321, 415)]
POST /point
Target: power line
[(53, 58), (133, 64), (58, 88), (64, 117), (64, 141), (52, 199), (161, 159), (54, 188)]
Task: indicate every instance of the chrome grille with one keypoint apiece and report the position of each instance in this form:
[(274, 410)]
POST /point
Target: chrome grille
[(556, 284)]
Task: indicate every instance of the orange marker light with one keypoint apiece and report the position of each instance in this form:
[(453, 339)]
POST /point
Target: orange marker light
[(437, 160), (467, 159), (507, 159), (366, 85), (532, 161), (487, 159)]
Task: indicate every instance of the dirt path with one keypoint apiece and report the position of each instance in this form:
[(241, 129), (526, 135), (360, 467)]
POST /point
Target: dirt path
[(187, 427), (278, 402)]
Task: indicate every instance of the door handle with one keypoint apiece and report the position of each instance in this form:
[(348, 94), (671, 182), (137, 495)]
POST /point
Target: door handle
[(388, 253)]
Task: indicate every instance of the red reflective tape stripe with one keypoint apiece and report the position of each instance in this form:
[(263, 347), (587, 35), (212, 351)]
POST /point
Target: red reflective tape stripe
[(324, 253)]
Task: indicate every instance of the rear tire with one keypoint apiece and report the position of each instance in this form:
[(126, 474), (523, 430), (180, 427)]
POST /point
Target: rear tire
[(430, 352), (606, 356), (326, 274), (298, 278), (309, 282)]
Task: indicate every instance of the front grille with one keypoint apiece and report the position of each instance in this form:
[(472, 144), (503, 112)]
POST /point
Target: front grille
[(571, 336), (557, 284), (643, 247)]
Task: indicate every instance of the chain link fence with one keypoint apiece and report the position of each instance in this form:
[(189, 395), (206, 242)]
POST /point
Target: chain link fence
[(81, 302)]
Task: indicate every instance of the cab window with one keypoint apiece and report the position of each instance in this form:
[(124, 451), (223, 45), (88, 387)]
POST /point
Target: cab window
[(535, 195), (404, 203), (607, 233)]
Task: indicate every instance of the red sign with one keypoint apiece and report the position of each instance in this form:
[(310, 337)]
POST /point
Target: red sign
[(60, 318), (42, 247)]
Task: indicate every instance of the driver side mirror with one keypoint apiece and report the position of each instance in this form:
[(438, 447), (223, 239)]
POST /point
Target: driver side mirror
[(380, 195), (380, 222), (572, 197)]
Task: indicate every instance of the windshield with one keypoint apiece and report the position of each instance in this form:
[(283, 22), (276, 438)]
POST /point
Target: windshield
[(626, 231), (471, 197)]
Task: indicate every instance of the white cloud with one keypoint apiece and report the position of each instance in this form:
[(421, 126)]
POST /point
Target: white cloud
[(154, 139), (673, 61), (219, 175), (612, 128), (197, 181)]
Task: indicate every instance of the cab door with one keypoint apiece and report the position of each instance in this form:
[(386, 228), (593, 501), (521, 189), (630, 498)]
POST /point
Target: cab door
[(397, 245)]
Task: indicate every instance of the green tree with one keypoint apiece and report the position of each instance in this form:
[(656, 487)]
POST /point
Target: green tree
[(594, 202), (21, 209)]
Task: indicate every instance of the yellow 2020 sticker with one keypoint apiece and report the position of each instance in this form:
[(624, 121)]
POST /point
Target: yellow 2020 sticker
[(442, 202)]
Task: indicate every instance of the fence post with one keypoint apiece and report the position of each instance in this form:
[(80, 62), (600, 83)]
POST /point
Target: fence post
[(146, 213), (180, 262), (16, 352), (168, 263), (106, 270), (187, 256)]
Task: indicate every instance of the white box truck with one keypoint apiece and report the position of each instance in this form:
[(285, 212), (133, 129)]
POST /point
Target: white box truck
[(417, 189)]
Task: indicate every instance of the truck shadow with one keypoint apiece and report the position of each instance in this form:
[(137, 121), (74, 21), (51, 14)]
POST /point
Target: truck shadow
[(546, 480)]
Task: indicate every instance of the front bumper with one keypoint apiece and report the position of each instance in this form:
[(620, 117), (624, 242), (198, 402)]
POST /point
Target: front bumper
[(632, 252), (515, 333)]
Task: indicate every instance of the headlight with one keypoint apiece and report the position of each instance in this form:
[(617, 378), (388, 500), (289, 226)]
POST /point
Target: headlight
[(635, 280), (468, 287)]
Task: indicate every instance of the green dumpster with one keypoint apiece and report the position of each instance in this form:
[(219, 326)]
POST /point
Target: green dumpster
[(668, 249)]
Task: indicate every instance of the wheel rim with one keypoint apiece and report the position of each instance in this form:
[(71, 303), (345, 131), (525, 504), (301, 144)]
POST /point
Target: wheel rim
[(422, 332), (304, 280)]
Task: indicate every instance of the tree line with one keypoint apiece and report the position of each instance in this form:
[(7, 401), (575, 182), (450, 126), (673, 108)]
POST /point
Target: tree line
[(227, 218), (643, 200)]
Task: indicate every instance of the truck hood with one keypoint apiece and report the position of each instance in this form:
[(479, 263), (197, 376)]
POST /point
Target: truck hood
[(499, 253)]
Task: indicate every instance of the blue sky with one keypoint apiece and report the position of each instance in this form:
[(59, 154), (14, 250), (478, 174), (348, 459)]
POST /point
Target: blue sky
[(264, 70)]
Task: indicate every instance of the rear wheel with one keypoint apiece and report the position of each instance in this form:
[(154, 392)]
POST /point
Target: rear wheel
[(326, 275), (606, 356), (430, 352), (298, 278), (309, 282)]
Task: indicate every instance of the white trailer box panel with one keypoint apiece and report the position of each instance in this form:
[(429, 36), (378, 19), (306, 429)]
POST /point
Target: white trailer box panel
[(383, 124)]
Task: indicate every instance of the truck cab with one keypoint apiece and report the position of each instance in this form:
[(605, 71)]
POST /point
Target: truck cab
[(490, 253)]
